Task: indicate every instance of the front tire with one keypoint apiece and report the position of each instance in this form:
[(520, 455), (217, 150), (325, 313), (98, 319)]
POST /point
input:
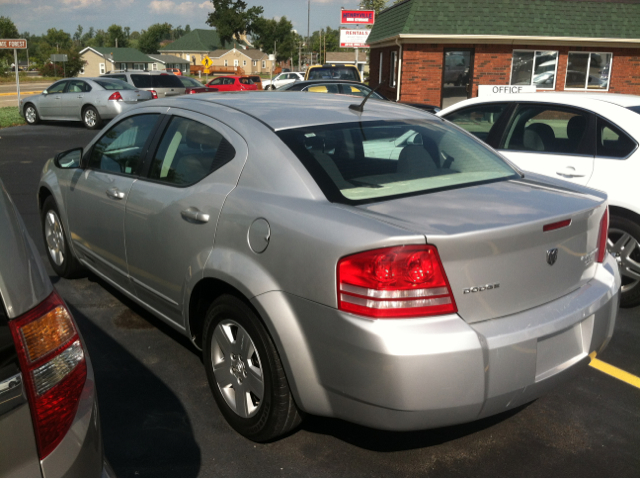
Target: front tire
[(62, 260), (624, 244), (245, 372), (91, 118), (31, 114)]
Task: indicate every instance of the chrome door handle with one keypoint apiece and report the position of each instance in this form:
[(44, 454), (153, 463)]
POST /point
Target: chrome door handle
[(79, 96), (570, 172), (194, 214), (115, 193)]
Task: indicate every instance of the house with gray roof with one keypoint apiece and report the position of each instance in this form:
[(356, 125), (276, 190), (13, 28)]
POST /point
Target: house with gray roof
[(162, 62), (100, 60), (439, 51)]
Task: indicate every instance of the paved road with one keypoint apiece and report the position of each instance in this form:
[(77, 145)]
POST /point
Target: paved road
[(159, 418)]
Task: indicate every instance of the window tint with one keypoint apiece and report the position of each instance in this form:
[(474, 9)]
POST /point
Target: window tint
[(188, 81), (613, 142), (547, 129), (114, 84), (141, 81), (78, 86), (188, 152), (326, 88), (358, 162), (120, 149), (334, 73), (246, 81), (217, 81), (57, 87), (478, 120), (165, 81)]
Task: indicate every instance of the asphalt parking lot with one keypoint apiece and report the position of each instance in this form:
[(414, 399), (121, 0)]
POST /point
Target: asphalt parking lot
[(159, 417)]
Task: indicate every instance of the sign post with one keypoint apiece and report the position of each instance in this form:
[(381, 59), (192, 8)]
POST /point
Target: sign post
[(16, 44)]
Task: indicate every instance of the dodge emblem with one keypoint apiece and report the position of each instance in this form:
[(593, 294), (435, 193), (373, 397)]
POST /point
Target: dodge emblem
[(552, 256)]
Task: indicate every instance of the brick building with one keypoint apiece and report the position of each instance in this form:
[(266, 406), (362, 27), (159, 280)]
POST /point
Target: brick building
[(439, 51)]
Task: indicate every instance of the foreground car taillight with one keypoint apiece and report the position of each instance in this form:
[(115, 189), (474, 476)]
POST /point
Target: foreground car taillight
[(603, 235), (397, 282), (53, 366), (154, 95)]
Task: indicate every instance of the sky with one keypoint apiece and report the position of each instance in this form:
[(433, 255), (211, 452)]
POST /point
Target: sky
[(37, 16)]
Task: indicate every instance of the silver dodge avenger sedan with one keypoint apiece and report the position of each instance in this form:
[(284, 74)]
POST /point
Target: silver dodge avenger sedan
[(380, 266)]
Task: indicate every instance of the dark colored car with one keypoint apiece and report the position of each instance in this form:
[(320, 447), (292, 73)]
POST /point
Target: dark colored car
[(194, 86), (49, 420)]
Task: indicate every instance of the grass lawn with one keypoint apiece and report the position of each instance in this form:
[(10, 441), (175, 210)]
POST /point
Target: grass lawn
[(9, 116)]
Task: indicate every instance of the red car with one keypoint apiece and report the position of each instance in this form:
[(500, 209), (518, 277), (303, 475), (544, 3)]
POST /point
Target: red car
[(232, 83)]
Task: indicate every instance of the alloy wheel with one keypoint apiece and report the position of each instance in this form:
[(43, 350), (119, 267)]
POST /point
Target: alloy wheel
[(55, 237), (90, 118), (30, 114), (626, 251)]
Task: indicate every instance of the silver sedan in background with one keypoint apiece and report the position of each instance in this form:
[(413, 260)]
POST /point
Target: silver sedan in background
[(372, 263), (90, 100)]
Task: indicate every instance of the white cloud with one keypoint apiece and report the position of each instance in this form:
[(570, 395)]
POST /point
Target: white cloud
[(14, 2), (80, 3), (184, 8)]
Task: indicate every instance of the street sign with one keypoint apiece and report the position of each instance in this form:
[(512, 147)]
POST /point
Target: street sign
[(354, 38), (353, 17), (12, 43), (207, 62), (59, 58)]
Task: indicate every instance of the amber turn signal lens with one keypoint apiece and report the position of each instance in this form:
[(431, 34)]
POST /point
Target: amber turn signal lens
[(47, 333)]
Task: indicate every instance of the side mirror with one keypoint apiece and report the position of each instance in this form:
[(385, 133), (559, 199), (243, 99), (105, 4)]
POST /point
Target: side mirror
[(45, 92), (69, 159)]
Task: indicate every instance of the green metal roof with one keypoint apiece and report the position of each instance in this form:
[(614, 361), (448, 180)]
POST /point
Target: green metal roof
[(199, 40), (124, 55), (549, 18)]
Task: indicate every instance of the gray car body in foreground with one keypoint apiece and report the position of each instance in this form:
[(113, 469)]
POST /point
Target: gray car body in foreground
[(24, 284), (501, 349)]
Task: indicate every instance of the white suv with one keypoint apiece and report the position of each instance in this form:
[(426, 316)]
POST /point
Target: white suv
[(282, 79), (586, 138)]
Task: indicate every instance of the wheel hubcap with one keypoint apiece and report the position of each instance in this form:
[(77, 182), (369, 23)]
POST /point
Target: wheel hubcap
[(626, 251), (90, 118), (237, 368), (30, 114), (55, 237)]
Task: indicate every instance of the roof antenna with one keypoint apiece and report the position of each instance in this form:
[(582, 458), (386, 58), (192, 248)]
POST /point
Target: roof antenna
[(360, 108)]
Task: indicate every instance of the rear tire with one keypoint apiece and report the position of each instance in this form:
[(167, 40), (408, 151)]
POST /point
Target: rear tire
[(624, 244), (31, 114), (91, 118), (62, 260), (245, 372)]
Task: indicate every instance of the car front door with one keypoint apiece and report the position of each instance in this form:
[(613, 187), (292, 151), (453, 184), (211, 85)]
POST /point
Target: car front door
[(73, 99), (172, 214), (97, 197), (552, 140), (50, 104)]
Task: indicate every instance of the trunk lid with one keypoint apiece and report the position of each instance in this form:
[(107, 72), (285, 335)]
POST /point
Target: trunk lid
[(491, 241)]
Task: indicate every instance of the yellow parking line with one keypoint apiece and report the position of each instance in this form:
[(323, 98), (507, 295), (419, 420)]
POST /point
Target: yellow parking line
[(614, 371), (21, 93)]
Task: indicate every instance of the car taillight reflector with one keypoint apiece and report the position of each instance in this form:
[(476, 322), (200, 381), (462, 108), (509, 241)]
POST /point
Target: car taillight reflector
[(53, 366), (603, 235), (556, 226), (115, 96), (397, 282), (154, 95)]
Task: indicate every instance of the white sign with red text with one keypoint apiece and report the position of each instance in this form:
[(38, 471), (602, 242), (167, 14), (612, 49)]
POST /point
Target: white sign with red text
[(354, 38)]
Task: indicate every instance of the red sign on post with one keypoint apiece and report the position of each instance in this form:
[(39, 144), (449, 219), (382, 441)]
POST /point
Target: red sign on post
[(12, 43), (353, 17)]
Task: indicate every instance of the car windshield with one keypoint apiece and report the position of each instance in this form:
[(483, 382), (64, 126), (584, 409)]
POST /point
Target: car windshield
[(362, 162), (114, 85), (287, 86), (334, 73), (635, 109)]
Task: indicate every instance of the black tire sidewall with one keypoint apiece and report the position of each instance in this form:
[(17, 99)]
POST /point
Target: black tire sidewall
[(231, 308), (632, 297)]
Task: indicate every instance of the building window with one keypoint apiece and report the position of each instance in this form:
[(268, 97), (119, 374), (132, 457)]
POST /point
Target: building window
[(255, 63), (393, 67), (138, 66), (244, 63), (264, 64), (235, 63), (154, 66), (102, 69), (226, 63), (123, 67), (533, 67), (380, 69), (588, 71)]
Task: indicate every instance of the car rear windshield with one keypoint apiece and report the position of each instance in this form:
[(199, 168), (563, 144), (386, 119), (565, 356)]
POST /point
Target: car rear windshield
[(156, 81), (635, 108), (331, 73), (114, 85), (357, 163), (187, 81)]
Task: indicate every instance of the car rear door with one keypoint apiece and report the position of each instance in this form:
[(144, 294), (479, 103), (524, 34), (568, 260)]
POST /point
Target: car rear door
[(171, 214), (73, 99), (553, 140)]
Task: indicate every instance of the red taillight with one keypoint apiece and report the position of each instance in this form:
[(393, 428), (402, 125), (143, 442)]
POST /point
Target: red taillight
[(397, 282), (116, 96), (190, 91), (602, 237), (53, 366), (154, 95)]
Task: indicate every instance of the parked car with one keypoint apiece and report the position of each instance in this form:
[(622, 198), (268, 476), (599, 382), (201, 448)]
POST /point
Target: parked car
[(159, 84), (257, 80), (330, 71), (90, 100), (346, 87), (175, 71), (323, 258), (590, 139), (233, 83), (49, 421), (282, 79), (194, 86)]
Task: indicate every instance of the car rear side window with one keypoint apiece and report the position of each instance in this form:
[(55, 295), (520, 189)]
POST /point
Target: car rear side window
[(141, 81), (331, 73), (114, 85), (479, 119), (165, 81), (549, 129), (324, 88), (362, 162), (120, 149), (188, 152), (612, 141)]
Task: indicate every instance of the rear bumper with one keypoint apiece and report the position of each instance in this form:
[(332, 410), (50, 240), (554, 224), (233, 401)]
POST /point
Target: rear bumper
[(432, 372)]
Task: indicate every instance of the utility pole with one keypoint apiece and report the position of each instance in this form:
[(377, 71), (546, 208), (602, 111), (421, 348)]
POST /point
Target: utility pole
[(299, 56), (309, 29)]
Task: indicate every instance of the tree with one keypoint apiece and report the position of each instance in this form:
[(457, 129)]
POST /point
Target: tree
[(77, 37), (7, 30), (376, 5), (115, 34), (269, 32), (149, 41), (72, 66), (232, 19)]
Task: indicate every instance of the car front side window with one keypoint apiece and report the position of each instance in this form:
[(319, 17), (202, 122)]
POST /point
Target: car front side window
[(120, 150), (57, 87)]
